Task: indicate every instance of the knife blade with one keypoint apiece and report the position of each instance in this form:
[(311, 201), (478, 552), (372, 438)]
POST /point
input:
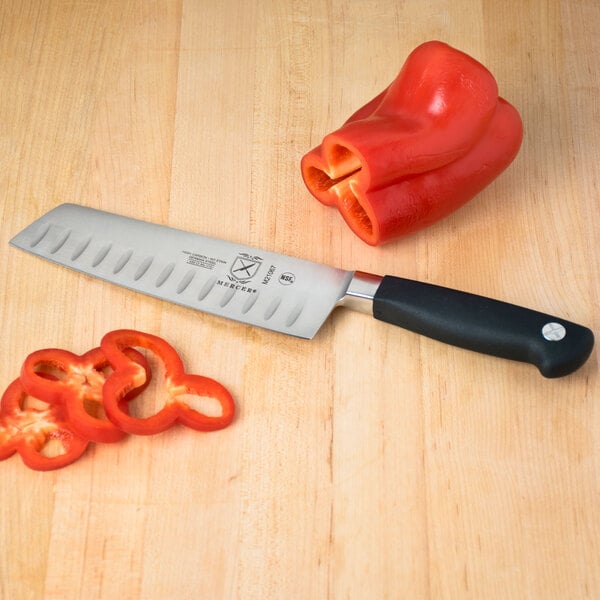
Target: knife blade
[(292, 295)]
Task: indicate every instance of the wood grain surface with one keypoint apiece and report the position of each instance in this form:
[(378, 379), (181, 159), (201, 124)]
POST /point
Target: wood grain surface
[(368, 462)]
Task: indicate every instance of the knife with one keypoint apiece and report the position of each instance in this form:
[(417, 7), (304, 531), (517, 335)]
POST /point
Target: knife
[(291, 295)]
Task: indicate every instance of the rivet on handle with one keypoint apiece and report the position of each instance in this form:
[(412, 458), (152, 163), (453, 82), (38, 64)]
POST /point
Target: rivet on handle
[(554, 332)]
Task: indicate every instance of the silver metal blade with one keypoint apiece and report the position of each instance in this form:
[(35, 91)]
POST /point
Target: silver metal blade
[(239, 282)]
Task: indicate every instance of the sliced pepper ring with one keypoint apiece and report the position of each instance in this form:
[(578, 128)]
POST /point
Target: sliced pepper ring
[(128, 375), (26, 431), (78, 387)]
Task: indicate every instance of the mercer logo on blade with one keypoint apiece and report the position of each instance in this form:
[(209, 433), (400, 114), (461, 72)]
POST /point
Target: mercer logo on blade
[(244, 268)]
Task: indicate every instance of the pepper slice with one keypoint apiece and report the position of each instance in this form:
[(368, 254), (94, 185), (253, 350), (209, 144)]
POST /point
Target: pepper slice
[(437, 136), (27, 431), (127, 376), (78, 387)]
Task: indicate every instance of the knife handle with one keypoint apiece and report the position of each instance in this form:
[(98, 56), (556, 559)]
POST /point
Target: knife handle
[(555, 346)]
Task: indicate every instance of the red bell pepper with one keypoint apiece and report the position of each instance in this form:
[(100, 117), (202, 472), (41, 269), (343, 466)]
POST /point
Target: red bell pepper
[(127, 375), (436, 137), (77, 385), (28, 430)]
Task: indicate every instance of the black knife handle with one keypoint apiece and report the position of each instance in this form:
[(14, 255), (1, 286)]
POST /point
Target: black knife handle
[(555, 346)]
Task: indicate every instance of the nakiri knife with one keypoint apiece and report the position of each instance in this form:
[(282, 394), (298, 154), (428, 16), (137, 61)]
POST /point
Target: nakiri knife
[(291, 295)]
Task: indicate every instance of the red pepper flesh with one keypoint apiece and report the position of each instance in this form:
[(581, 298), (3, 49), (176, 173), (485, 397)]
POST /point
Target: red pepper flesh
[(127, 375), (26, 431), (78, 387), (436, 137)]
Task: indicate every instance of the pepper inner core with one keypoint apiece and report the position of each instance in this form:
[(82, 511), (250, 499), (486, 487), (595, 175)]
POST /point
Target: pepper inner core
[(345, 165)]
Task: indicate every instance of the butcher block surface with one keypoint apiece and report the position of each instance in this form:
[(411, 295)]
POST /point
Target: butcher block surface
[(368, 462)]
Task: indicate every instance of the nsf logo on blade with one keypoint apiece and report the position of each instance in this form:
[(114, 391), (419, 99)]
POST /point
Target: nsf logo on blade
[(244, 267)]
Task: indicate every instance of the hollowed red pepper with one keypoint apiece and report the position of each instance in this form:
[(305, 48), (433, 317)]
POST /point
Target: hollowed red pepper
[(436, 137), (77, 385), (127, 375), (28, 430)]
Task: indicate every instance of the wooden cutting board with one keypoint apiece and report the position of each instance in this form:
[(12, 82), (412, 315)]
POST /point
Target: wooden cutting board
[(368, 462)]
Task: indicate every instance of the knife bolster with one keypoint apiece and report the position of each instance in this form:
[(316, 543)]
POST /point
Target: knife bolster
[(361, 291)]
